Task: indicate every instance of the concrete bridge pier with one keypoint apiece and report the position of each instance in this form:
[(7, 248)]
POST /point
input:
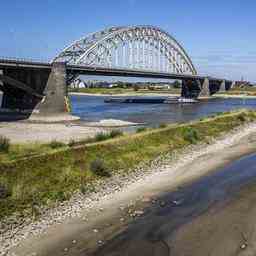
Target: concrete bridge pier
[(37, 94), (222, 86), (205, 88), (190, 88), (55, 105)]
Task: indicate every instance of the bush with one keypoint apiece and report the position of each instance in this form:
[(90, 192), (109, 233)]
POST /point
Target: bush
[(241, 117), (56, 144), (4, 144), (141, 129), (72, 143), (98, 167), (101, 136), (136, 88), (4, 192), (115, 133), (191, 135), (162, 125)]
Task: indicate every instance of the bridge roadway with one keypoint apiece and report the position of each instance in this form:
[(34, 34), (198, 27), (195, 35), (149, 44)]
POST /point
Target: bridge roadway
[(102, 71), (41, 88)]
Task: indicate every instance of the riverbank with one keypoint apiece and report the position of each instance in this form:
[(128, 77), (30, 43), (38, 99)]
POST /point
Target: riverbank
[(227, 229), (60, 174), (126, 94), (27, 132), (108, 212), (229, 96)]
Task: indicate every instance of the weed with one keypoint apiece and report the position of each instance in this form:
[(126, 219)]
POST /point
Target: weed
[(115, 133), (4, 144), (141, 129), (241, 117), (163, 125), (56, 144), (72, 143), (190, 134), (98, 167), (4, 191)]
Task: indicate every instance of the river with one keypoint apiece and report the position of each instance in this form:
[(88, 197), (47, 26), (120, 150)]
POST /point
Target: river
[(93, 108)]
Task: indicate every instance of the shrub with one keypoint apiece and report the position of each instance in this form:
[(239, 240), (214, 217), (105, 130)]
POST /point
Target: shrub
[(4, 192), (141, 129), (4, 144), (136, 88), (163, 125), (72, 143), (190, 134), (98, 167), (56, 144), (101, 136), (115, 133), (241, 117)]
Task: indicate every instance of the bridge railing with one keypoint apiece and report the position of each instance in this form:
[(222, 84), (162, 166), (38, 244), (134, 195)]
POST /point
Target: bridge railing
[(19, 59)]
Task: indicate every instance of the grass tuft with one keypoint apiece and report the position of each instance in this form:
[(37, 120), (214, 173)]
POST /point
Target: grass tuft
[(98, 167), (4, 144), (190, 135), (56, 144), (163, 125), (141, 129)]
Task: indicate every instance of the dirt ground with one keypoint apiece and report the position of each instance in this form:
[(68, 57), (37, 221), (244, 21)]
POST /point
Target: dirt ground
[(22, 132)]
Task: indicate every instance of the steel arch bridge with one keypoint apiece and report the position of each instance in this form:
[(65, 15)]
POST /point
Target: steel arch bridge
[(132, 47)]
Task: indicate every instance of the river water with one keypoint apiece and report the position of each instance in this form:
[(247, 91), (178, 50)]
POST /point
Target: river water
[(93, 108)]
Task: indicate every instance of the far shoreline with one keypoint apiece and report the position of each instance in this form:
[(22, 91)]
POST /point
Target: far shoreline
[(225, 96)]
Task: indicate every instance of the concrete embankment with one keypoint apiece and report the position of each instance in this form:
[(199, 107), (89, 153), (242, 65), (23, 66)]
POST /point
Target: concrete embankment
[(48, 179)]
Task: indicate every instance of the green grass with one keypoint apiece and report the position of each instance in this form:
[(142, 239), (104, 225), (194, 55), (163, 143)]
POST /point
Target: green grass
[(58, 173), (12, 152), (114, 91), (103, 90), (246, 90)]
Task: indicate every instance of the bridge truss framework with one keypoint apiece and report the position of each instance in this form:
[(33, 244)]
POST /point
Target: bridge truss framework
[(134, 47)]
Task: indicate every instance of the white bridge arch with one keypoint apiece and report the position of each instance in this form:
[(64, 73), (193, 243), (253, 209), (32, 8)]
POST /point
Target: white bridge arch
[(134, 47)]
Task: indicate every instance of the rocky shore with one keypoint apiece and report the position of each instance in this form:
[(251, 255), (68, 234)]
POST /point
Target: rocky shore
[(20, 236)]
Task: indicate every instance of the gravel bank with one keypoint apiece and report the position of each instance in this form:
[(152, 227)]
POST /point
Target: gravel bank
[(120, 185), (21, 132)]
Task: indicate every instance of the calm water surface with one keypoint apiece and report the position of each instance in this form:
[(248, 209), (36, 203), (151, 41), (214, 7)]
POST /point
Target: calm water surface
[(93, 108)]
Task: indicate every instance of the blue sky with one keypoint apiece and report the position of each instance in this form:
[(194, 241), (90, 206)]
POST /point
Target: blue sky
[(218, 35)]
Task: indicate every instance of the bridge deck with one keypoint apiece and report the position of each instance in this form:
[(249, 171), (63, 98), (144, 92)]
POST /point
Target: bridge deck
[(102, 71)]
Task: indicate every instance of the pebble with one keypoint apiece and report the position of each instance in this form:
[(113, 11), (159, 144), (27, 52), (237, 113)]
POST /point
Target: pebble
[(243, 246), (65, 249), (95, 230), (139, 213), (100, 242), (146, 200), (162, 204), (74, 242)]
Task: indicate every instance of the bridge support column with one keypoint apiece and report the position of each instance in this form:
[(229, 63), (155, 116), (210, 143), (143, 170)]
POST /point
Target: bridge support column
[(190, 88), (205, 88), (55, 103), (185, 89), (1, 87), (222, 86), (55, 92)]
